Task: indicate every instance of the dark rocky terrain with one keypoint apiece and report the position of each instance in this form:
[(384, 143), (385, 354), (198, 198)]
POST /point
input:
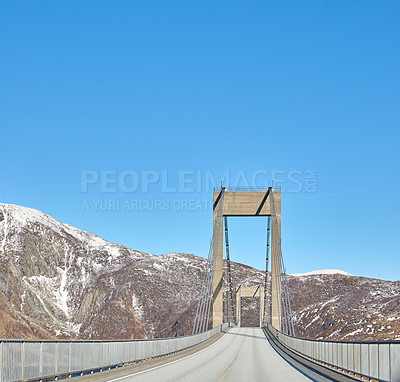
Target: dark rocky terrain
[(345, 307), (59, 281)]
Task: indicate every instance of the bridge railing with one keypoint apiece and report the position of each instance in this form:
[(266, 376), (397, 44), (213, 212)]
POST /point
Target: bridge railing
[(34, 359), (372, 359)]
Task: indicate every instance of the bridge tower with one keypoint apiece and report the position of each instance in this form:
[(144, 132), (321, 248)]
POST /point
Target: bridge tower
[(255, 291), (247, 203)]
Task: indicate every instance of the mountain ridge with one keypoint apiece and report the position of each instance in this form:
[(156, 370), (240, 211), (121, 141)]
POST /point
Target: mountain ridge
[(57, 280), (322, 272)]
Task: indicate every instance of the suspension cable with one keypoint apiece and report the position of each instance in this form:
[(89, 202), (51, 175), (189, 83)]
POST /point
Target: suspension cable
[(230, 308), (203, 293), (284, 308), (206, 293), (266, 298)]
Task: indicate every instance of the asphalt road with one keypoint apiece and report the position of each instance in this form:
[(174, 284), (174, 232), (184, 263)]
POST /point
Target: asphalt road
[(242, 354)]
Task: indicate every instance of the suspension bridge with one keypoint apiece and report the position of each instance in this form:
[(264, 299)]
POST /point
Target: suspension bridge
[(273, 296), (219, 348)]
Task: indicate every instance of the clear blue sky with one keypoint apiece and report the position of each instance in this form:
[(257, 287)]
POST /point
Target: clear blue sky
[(160, 87)]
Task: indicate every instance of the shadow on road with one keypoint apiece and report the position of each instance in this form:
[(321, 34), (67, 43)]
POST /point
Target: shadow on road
[(230, 332)]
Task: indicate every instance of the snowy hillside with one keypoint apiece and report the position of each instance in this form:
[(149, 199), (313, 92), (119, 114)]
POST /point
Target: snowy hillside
[(58, 280)]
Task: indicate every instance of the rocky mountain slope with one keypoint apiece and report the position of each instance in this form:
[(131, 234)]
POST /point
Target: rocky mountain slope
[(345, 307), (59, 281)]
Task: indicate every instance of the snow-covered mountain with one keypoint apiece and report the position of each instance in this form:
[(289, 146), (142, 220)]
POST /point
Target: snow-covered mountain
[(58, 280)]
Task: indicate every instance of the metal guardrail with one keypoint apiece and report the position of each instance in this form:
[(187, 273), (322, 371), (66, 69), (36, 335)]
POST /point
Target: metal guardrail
[(373, 359), (30, 359)]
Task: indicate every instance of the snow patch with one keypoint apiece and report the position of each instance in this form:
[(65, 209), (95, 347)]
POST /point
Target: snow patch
[(353, 333), (61, 294), (313, 320), (22, 300), (136, 307), (322, 272), (5, 229), (157, 266)]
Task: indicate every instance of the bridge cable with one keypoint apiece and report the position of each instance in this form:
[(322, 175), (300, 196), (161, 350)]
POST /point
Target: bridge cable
[(203, 293), (284, 308), (230, 308), (286, 289), (266, 289), (276, 269), (206, 293)]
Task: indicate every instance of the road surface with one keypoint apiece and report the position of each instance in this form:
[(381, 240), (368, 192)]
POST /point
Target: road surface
[(242, 354)]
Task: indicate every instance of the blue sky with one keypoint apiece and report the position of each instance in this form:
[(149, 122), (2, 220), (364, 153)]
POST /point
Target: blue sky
[(144, 91)]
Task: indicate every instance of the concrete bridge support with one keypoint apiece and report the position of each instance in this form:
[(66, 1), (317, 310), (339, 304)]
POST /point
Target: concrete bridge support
[(256, 291), (247, 203)]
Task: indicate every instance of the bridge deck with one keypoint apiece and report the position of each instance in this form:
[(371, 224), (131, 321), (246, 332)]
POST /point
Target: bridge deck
[(242, 354)]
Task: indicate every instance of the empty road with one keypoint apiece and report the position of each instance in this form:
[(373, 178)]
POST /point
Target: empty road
[(242, 354)]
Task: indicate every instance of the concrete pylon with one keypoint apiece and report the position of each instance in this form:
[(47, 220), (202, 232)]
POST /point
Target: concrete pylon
[(247, 203)]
